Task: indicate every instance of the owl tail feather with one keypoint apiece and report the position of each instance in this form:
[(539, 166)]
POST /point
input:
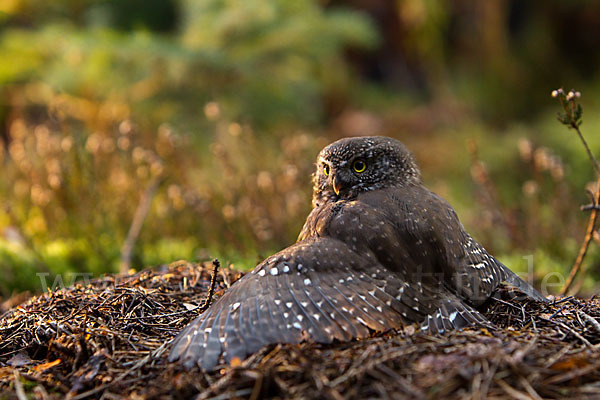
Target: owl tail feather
[(513, 280), (454, 314)]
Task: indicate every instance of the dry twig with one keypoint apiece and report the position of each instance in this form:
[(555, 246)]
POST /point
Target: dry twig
[(136, 226)]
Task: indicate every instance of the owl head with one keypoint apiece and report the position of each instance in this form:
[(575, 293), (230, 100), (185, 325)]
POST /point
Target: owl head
[(354, 165)]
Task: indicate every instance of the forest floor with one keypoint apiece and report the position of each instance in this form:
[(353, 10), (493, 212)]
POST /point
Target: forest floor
[(110, 339)]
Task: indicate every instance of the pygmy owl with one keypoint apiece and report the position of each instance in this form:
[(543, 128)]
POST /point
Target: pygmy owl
[(378, 251)]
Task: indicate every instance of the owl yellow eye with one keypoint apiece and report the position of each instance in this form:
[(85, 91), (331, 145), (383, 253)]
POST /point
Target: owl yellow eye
[(359, 166), (326, 169)]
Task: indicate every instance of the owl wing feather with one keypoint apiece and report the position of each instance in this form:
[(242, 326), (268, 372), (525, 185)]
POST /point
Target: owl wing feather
[(433, 227), (300, 293), (452, 314)]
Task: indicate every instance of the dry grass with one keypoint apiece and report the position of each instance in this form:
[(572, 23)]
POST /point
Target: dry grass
[(111, 338)]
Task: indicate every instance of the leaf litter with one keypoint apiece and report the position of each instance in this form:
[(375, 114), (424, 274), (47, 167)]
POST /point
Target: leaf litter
[(110, 339)]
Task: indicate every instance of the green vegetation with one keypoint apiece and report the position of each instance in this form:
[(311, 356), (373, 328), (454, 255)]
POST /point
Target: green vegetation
[(224, 105)]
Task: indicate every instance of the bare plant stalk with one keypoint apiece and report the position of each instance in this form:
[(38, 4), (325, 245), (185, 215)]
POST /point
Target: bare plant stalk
[(589, 236), (587, 149), (572, 119), (136, 225), (482, 179), (213, 283)]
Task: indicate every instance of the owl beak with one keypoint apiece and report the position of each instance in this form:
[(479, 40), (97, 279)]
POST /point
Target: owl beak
[(337, 184)]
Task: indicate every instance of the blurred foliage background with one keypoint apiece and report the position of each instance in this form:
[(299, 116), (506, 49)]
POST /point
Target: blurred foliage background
[(222, 105)]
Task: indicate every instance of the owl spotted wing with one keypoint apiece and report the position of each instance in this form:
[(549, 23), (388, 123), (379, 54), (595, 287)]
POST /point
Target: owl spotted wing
[(317, 290), (477, 274), (472, 272), (432, 232)]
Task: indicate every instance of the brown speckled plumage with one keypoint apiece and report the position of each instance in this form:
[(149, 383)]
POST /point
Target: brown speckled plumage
[(378, 251)]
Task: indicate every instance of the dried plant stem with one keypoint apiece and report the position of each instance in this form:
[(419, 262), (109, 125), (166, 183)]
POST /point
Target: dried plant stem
[(587, 149), (136, 226), (572, 118), (213, 283), (482, 179), (589, 236)]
